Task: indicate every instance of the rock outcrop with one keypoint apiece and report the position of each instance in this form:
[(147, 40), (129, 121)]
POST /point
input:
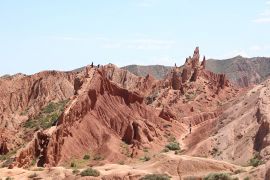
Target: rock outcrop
[(241, 71), (23, 97), (101, 114)]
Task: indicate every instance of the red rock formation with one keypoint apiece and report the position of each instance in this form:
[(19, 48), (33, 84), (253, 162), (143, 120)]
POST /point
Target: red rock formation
[(176, 82), (3, 146), (203, 64), (167, 114), (194, 75), (22, 97), (185, 75), (196, 57), (102, 114)]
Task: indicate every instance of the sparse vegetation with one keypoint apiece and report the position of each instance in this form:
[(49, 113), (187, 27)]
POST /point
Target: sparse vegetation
[(86, 157), (156, 177), (75, 171), (9, 178), (246, 178), (238, 171), (191, 178), (173, 146), (219, 176), (73, 165), (145, 158), (98, 157), (256, 160), (47, 117), (33, 162), (90, 172), (125, 149), (7, 162), (145, 150), (38, 169)]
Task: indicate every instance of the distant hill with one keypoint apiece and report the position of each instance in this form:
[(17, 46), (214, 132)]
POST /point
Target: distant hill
[(158, 71), (241, 71)]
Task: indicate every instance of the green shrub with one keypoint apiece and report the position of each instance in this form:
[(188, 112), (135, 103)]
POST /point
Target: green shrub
[(218, 176), (47, 117), (156, 177), (255, 161), (90, 172), (246, 178), (173, 146), (86, 157)]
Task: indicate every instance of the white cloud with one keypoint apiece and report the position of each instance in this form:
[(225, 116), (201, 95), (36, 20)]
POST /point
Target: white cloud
[(263, 17)]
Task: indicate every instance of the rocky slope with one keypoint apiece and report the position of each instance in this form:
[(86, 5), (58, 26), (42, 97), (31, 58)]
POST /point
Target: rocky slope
[(23, 97), (151, 125), (239, 70)]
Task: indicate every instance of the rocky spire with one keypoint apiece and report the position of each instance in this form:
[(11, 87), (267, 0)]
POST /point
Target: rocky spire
[(176, 83), (194, 75), (196, 57), (203, 64), (184, 75)]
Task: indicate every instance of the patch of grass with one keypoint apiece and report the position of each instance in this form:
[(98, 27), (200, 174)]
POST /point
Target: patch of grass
[(256, 160), (145, 158), (33, 162), (47, 117), (218, 176), (125, 149), (86, 157), (156, 177), (173, 146), (31, 176), (90, 172)]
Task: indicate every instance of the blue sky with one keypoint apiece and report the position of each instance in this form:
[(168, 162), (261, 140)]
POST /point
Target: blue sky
[(37, 35)]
